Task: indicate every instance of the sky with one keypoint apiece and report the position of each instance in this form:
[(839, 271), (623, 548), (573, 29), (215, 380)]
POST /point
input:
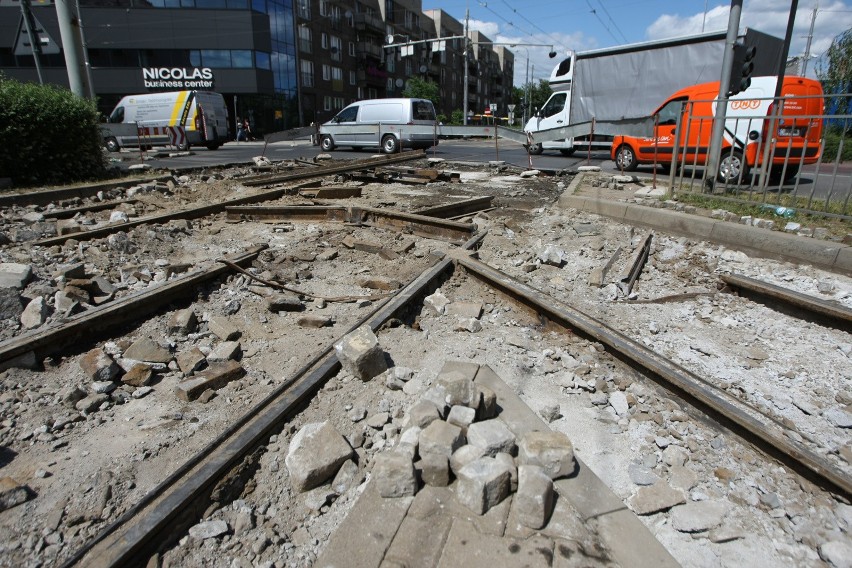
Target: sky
[(591, 24)]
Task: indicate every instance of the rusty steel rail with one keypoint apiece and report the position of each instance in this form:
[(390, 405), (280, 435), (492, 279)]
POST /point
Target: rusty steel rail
[(52, 340), (768, 433), (268, 179), (626, 282), (465, 207), (205, 210), (830, 313), (82, 191), (420, 225), (68, 213), (151, 522)]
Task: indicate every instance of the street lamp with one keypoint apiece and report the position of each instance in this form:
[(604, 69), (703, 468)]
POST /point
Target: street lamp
[(527, 89)]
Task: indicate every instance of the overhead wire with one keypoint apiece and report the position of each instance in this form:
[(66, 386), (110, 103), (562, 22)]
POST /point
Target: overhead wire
[(613, 21), (595, 12), (557, 42), (511, 24)]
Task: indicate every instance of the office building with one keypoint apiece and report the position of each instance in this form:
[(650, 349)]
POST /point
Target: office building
[(281, 63)]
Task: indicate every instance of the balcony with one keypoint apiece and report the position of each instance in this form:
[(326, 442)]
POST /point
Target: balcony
[(367, 49), (366, 22), (372, 75)]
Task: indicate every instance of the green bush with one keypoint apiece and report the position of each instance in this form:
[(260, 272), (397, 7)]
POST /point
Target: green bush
[(48, 135), (832, 142)]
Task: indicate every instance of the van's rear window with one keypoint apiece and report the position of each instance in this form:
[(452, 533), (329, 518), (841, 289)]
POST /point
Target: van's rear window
[(423, 110)]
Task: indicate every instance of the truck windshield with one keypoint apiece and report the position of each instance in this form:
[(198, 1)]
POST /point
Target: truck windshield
[(117, 116), (554, 105)]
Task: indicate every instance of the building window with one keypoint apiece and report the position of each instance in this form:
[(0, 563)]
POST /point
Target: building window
[(336, 74), (408, 68), (353, 78), (303, 9), (307, 73), (261, 60), (360, 93), (389, 10), (336, 49), (326, 72), (323, 8), (352, 48), (326, 103), (409, 19), (324, 40), (305, 43), (391, 63), (390, 85)]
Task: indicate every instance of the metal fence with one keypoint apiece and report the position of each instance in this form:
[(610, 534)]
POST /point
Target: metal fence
[(773, 155)]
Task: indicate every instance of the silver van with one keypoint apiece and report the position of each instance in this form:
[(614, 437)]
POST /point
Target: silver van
[(391, 124)]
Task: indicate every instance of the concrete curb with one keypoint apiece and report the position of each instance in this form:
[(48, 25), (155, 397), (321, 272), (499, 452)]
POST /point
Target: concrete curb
[(832, 256)]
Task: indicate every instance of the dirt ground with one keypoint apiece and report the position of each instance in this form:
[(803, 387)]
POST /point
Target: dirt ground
[(84, 468)]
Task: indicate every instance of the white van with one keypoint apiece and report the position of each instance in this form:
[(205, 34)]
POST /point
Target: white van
[(202, 115), (391, 124)]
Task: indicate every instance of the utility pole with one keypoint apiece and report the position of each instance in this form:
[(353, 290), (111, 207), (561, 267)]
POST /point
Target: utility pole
[(810, 37), (73, 48), (35, 42), (466, 18), (86, 63), (527, 89), (724, 87)]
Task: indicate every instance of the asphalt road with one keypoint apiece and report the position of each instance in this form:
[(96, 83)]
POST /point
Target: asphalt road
[(824, 182)]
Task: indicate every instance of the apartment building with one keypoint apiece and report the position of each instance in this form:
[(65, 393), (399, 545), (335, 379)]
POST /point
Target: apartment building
[(281, 63)]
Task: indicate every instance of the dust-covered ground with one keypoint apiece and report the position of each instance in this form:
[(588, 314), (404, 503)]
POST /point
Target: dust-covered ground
[(87, 432)]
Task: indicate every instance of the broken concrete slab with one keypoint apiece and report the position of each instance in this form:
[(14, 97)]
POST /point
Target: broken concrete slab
[(223, 329), (214, 377), (99, 366), (148, 350), (315, 454), (658, 497)]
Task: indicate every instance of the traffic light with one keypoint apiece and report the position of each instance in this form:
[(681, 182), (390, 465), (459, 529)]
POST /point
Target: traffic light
[(742, 68)]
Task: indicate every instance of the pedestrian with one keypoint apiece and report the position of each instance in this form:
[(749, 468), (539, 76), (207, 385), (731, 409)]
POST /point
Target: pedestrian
[(247, 130), (241, 133)]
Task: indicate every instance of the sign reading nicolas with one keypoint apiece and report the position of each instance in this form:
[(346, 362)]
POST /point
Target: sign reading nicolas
[(177, 77)]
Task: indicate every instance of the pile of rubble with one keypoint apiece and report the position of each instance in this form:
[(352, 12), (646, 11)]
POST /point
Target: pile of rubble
[(452, 431)]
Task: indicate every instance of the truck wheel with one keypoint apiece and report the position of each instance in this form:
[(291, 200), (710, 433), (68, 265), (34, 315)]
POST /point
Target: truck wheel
[(625, 158), (214, 146), (112, 144), (732, 167), (567, 151), (390, 145), (183, 147), (327, 143), (535, 149)]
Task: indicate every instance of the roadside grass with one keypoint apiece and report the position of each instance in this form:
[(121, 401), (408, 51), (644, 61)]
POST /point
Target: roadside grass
[(752, 204)]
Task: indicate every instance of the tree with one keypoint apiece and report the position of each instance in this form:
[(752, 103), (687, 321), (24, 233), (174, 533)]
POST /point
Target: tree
[(835, 73), (538, 95), (417, 88)]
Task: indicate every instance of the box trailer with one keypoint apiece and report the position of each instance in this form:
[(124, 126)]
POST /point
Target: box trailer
[(620, 87)]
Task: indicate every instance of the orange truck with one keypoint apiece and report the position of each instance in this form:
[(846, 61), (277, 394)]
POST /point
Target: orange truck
[(795, 139)]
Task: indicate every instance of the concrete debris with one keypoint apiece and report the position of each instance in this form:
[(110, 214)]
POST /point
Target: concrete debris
[(437, 301), (14, 275), (216, 376), (482, 484), (393, 473), (208, 529), (99, 366), (534, 499), (698, 516), (13, 493), (360, 354), (552, 451), (658, 497), (493, 436), (316, 453)]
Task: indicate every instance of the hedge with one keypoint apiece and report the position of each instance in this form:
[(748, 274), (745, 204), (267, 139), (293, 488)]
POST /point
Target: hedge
[(48, 135)]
